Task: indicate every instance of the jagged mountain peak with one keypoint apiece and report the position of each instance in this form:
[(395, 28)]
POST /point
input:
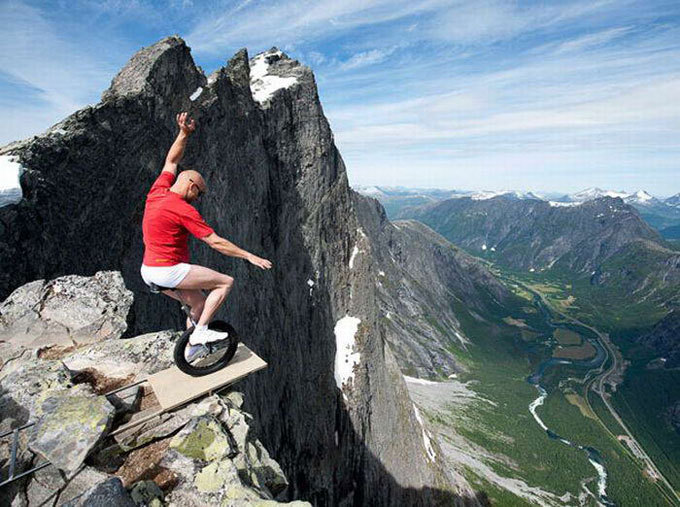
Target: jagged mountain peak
[(164, 68), (273, 70)]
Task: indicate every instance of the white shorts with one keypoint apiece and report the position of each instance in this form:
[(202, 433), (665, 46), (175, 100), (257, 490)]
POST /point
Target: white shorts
[(165, 276)]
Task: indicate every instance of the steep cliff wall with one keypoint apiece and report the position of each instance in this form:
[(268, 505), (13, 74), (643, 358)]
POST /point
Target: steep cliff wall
[(421, 279), (277, 187)]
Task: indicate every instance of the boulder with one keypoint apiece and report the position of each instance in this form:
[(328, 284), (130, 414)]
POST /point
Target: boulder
[(72, 423), (23, 390), (109, 492), (136, 357), (66, 312), (72, 490)]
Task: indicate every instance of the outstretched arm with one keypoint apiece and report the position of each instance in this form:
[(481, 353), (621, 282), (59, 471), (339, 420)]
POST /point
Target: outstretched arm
[(228, 248), (186, 127)]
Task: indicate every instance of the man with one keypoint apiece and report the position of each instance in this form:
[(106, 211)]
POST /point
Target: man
[(169, 217)]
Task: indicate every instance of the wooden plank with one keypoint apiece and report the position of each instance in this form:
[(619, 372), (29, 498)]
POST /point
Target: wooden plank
[(174, 388)]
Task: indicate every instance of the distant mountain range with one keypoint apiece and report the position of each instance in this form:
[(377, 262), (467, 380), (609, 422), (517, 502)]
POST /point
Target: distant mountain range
[(662, 214), (601, 242)]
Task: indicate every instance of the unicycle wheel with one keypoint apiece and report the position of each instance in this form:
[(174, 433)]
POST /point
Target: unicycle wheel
[(216, 355)]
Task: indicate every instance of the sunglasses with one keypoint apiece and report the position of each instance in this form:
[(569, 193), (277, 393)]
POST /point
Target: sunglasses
[(200, 190)]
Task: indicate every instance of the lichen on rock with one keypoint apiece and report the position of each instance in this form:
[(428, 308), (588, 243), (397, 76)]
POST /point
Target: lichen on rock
[(203, 438)]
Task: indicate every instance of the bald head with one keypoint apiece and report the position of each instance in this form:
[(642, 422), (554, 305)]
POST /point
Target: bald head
[(185, 176), (189, 184)]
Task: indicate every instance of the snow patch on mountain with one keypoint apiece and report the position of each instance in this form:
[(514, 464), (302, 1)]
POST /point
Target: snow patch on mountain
[(595, 193), (556, 204), (371, 191), (515, 194), (355, 252), (421, 381), (426, 437), (640, 196), (262, 83), (10, 188), (345, 358), (196, 94), (673, 201)]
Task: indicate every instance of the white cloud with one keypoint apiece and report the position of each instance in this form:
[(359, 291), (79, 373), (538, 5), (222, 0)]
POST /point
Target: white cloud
[(295, 22), (592, 39), (367, 58)]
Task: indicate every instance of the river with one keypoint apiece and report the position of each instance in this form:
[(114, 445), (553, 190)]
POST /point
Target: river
[(535, 378)]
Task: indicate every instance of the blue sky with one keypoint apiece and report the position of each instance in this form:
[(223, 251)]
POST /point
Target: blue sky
[(542, 96)]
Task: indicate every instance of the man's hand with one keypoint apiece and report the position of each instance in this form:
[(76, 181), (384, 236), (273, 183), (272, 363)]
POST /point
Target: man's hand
[(259, 262), (186, 125)]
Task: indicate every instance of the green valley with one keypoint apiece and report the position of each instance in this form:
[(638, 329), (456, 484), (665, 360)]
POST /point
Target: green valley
[(500, 360)]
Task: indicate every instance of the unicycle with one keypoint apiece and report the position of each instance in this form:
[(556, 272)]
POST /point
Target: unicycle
[(211, 357)]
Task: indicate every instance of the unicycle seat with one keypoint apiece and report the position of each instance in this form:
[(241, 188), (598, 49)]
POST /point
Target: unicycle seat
[(157, 289)]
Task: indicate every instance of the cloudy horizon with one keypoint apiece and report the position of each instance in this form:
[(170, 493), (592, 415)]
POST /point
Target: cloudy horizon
[(444, 94)]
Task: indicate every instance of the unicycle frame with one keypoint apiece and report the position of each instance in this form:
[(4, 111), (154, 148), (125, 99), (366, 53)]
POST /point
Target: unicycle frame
[(185, 307), (183, 341)]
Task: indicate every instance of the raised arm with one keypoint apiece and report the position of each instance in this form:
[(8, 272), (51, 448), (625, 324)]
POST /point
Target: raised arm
[(226, 247), (186, 127)]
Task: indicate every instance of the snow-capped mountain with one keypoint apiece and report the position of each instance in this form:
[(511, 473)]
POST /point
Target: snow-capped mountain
[(594, 193), (673, 200), (642, 198), (639, 198), (658, 213), (512, 194), (371, 191)]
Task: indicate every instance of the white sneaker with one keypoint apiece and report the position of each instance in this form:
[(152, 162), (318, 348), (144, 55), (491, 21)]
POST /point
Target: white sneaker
[(203, 336), (193, 352)]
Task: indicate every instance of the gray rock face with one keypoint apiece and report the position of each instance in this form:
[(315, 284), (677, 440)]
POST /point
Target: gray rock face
[(133, 358), (278, 188), (420, 275), (66, 312), (23, 390)]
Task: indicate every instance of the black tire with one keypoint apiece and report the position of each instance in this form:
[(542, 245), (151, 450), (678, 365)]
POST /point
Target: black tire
[(199, 371)]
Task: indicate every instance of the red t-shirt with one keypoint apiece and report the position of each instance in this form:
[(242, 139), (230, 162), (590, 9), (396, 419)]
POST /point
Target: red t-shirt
[(168, 220)]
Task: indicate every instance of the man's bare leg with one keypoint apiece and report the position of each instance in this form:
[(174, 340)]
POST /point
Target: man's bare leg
[(219, 285), (194, 298)]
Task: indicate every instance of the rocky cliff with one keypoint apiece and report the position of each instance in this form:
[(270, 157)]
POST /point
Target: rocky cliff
[(422, 277), (205, 453), (332, 406)]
